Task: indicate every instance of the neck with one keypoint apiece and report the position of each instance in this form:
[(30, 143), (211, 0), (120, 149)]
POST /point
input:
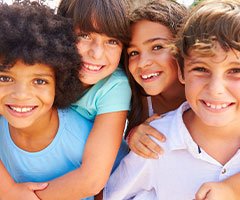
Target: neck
[(39, 135), (169, 100)]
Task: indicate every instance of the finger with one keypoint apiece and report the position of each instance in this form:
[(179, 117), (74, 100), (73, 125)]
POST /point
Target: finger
[(145, 152), (151, 145), (36, 186), (152, 118), (203, 192), (155, 133)]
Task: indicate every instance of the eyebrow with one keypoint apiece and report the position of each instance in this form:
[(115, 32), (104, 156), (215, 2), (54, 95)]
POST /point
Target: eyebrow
[(202, 62), (151, 40), (3, 70), (44, 75), (155, 39)]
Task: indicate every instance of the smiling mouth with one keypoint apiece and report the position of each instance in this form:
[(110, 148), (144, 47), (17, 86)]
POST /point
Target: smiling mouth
[(150, 76), (22, 109), (94, 68), (217, 106)]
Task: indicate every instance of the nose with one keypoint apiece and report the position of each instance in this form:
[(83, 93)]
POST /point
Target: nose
[(96, 50), (216, 86), (21, 91), (144, 60)]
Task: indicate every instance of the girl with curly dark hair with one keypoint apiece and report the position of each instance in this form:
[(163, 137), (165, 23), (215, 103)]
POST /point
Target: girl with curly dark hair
[(41, 139)]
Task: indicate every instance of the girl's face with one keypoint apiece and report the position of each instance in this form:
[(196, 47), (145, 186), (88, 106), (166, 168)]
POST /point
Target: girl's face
[(100, 54), (27, 94), (150, 61)]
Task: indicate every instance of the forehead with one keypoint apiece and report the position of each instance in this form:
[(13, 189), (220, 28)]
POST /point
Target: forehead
[(217, 56), (37, 68), (145, 30)]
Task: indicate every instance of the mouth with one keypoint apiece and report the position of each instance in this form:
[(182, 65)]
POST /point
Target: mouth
[(150, 76), (21, 109), (92, 68), (217, 106)]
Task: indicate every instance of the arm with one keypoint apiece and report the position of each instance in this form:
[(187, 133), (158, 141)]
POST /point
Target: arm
[(98, 158), (140, 142), (227, 189), (9, 190)]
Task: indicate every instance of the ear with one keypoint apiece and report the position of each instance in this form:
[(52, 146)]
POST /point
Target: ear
[(180, 76)]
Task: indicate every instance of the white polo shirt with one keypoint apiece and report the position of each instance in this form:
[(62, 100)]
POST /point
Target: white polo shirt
[(176, 175)]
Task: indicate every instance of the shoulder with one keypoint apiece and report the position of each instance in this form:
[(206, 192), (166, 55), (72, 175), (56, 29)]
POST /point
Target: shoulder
[(119, 73), (164, 123), (72, 120), (173, 127), (117, 79), (3, 123)]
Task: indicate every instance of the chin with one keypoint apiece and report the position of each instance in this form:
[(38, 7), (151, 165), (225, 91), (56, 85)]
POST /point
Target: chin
[(152, 92)]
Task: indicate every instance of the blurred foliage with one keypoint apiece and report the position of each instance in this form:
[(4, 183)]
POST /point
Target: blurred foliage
[(196, 2)]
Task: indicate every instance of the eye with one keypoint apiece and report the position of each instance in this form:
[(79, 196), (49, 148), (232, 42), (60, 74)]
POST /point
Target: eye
[(40, 82), (84, 36), (113, 42), (157, 47), (234, 71), (132, 53), (5, 79), (200, 69)]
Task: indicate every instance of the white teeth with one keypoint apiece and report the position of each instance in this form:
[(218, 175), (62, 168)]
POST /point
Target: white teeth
[(224, 105), (92, 67), (217, 107), (150, 75), (21, 109)]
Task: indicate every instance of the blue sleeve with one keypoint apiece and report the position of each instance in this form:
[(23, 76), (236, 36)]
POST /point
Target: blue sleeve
[(117, 97)]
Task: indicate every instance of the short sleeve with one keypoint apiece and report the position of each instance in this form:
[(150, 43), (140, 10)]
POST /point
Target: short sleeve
[(115, 98)]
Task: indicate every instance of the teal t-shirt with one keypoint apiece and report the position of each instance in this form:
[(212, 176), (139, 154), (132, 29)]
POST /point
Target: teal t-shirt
[(111, 94)]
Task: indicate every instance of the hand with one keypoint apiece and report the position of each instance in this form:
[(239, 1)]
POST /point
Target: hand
[(140, 142), (215, 191), (23, 191)]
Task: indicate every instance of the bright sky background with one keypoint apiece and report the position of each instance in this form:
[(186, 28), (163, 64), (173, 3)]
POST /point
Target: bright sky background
[(186, 2)]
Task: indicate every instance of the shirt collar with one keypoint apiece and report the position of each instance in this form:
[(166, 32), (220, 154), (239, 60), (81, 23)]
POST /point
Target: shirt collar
[(179, 136)]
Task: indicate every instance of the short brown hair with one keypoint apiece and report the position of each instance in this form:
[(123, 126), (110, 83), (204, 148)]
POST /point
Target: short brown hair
[(209, 22)]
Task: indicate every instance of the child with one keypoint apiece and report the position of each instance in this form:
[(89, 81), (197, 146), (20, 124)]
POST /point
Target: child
[(152, 69), (102, 28), (39, 65), (203, 133)]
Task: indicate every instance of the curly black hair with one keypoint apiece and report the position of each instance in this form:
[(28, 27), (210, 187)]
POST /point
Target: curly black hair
[(33, 34)]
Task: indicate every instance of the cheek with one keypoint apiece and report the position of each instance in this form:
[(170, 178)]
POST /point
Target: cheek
[(115, 56), (133, 70), (171, 69), (81, 48), (49, 95), (192, 88), (234, 88)]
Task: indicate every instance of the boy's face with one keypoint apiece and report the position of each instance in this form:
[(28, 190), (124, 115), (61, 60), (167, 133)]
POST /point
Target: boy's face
[(26, 94), (100, 54), (150, 61), (212, 86)]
